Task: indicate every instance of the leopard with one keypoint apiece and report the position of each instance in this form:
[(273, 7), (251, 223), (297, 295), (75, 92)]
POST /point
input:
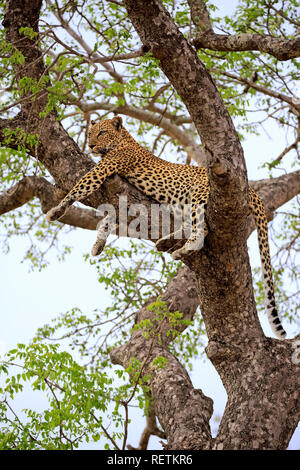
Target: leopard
[(167, 183)]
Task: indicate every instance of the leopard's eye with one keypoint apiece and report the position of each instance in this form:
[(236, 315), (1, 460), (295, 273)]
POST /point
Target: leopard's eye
[(100, 133)]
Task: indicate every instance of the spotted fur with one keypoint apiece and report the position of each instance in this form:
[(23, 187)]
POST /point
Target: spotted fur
[(166, 182)]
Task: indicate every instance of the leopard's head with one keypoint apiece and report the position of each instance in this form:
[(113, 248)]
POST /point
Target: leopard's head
[(105, 135)]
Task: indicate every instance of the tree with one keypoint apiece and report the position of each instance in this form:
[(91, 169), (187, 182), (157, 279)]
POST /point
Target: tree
[(190, 90)]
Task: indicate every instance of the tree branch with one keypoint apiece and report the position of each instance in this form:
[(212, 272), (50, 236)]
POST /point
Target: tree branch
[(281, 49), (172, 129), (294, 145)]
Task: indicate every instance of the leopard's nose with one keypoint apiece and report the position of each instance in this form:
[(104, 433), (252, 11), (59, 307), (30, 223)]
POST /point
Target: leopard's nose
[(92, 146)]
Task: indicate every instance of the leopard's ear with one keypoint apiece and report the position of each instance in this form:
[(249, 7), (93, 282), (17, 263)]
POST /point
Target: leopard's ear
[(117, 122), (93, 123)]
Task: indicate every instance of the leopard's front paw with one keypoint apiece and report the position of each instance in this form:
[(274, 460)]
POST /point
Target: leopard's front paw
[(55, 213), (161, 243)]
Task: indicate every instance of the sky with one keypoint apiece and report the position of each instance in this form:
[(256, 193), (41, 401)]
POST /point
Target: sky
[(28, 300)]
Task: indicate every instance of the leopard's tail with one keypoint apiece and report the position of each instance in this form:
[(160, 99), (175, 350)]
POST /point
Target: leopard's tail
[(259, 213)]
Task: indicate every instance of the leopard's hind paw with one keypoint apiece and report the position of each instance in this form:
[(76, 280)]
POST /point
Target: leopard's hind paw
[(55, 213)]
